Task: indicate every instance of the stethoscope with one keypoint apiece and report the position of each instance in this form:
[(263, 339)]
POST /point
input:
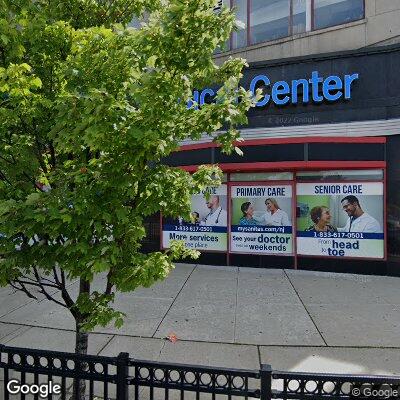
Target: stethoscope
[(211, 213), (352, 219)]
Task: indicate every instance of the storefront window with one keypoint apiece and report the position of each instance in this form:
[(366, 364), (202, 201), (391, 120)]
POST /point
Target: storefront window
[(269, 20), (393, 197), (335, 12), (333, 213), (261, 219), (337, 218), (206, 230), (239, 37), (393, 220)]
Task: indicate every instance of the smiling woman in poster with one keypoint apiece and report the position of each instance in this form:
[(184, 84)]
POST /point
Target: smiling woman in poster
[(274, 216), (248, 211), (321, 217)]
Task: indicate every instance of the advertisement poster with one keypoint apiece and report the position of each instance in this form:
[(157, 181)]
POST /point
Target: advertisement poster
[(340, 219), (261, 219), (207, 229)]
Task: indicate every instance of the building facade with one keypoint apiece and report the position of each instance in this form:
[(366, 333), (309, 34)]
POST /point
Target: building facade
[(318, 184), (277, 29)]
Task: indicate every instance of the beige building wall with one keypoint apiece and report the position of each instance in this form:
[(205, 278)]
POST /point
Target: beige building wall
[(380, 26)]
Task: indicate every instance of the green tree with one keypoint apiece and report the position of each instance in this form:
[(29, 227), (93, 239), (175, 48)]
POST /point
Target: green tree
[(88, 109)]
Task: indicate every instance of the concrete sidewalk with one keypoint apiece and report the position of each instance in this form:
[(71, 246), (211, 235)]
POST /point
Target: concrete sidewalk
[(235, 317)]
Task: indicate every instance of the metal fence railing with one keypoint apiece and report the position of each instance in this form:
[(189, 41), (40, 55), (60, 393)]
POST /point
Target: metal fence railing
[(38, 374)]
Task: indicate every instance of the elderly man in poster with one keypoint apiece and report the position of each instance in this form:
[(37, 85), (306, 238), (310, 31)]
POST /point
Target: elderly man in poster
[(217, 216), (359, 220)]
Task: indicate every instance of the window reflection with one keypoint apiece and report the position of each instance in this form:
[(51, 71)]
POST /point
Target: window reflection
[(274, 19), (335, 12), (299, 9), (239, 37), (227, 45), (269, 20)]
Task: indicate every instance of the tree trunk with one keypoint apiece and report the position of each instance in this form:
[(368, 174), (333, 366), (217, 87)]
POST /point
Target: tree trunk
[(81, 340), (81, 347)]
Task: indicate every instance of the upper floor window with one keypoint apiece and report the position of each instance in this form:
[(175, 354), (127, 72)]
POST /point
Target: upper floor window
[(335, 12), (299, 16), (265, 20), (239, 37), (269, 20), (227, 45)]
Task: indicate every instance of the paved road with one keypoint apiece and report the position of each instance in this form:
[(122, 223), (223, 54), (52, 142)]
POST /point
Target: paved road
[(237, 317)]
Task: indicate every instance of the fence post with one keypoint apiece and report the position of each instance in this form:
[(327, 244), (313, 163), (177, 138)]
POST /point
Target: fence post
[(122, 376), (266, 382)]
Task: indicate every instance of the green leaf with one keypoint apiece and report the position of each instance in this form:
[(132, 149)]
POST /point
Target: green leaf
[(4, 39), (36, 82), (32, 198)]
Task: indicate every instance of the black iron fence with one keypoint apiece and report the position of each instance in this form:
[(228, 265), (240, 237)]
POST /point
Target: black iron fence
[(37, 374)]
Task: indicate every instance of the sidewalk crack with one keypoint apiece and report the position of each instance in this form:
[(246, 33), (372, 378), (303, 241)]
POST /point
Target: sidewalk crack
[(106, 344), (162, 348), (302, 302), (173, 301)]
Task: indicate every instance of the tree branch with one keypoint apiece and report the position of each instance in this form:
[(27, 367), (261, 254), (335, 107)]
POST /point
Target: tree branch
[(65, 295), (39, 155), (63, 281), (7, 161), (126, 9), (56, 276), (33, 283), (4, 178), (3, 56), (22, 289), (43, 290), (52, 154), (109, 285)]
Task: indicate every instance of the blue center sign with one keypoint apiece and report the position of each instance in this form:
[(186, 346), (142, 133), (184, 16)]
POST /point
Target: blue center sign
[(304, 90)]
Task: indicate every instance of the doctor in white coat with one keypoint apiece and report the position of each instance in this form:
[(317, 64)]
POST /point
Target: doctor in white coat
[(217, 216), (359, 220)]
